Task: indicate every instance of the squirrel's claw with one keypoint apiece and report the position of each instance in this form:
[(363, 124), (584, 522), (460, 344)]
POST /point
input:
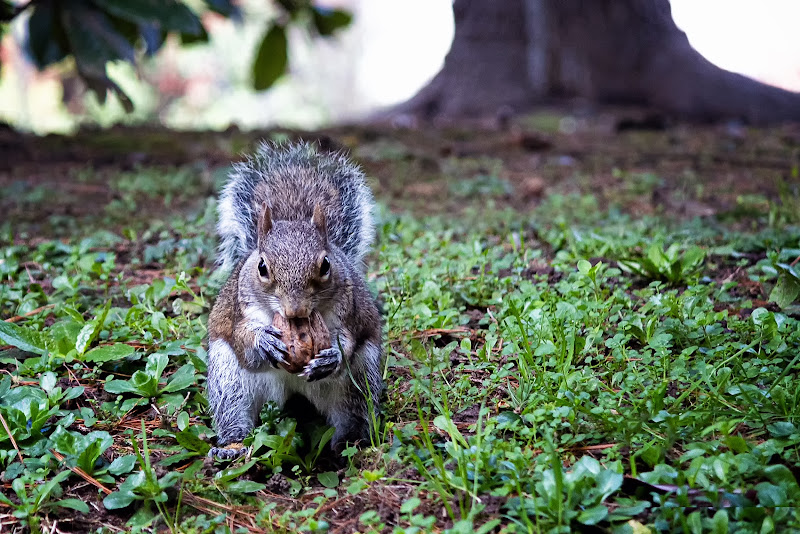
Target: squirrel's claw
[(322, 365), (274, 331), (271, 346), (226, 453)]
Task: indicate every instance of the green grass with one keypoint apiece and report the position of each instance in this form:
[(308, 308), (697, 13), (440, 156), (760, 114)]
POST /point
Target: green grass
[(561, 369)]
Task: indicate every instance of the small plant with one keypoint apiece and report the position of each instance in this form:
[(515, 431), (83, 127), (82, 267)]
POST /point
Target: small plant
[(26, 410), (672, 265), (145, 486), (35, 497), (85, 451), (787, 289), (283, 445), (147, 383)]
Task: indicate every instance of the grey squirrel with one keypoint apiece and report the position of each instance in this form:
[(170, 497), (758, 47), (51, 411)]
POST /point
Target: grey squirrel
[(294, 226)]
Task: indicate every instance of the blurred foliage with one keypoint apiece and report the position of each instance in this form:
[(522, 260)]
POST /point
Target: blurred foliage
[(95, 33)]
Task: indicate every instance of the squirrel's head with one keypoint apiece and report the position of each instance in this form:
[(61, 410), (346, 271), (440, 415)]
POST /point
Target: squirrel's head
[(293, 268)]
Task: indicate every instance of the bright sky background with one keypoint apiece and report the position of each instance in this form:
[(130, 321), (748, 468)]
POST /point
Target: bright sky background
[(759, 38)]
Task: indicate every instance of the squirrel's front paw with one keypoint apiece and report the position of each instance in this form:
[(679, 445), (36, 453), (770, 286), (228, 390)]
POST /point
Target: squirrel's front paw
[(228, 452), (270, 346), (322, 365)]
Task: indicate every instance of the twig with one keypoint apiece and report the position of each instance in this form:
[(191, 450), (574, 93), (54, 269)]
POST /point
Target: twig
[(11, 437), (83, 474), (213, 507), (795, 262), (441, 331), (18, 318)]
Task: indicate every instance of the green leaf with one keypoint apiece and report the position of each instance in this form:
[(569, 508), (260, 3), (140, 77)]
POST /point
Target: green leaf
[(736, 443), (94, 40), (48, 487), (122, 465), (271, 58), (771, 495), (156, 363), (118, 499), (329, 479), (91, 330), (64, 441), (593, 515), (507, 417), (608, 482), (181, 457), (410, 505), (719, 523), (781, 475), (692, 258), (75, 504), (229, 474), (245, 486), (489, 526), (93, 446), (85, 337), (46, 40), (120, 386), (625, 512), (786, 290), (62, 336), (781, 429), (188, 440), (327, 21), (447, 424), (144, 383), (181, 379), (48, 381), (168, 14), (182, 421), (106, 353), (26, 339)]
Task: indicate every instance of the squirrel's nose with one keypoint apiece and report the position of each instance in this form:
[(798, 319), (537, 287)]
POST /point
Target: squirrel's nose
[(295, 310)]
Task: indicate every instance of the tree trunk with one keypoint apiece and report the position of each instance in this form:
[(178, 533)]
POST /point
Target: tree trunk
[(517, 53)]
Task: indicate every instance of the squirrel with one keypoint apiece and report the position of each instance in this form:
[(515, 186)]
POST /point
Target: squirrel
[(294, 227)]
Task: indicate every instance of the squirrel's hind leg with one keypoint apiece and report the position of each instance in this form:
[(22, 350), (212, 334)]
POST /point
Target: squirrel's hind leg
[(235, 396)]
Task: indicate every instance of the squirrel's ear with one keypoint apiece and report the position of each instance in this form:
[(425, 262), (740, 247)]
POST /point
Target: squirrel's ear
[(319, 220), (264, 221)]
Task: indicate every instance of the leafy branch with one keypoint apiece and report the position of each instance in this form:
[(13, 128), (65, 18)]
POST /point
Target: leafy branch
[(97, 32)]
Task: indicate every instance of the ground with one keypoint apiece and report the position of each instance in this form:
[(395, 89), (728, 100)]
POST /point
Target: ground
[(588, 328)]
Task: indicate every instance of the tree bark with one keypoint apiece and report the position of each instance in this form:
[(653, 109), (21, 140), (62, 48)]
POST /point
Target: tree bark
[(517, 53)]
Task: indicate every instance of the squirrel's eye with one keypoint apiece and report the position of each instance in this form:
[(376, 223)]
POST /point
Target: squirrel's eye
[(325, 267), (262, 269)]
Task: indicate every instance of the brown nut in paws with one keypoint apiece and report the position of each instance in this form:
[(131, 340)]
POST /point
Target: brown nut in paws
[(304, 339)]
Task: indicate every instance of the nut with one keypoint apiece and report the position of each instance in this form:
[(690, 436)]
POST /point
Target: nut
[(304, 339)]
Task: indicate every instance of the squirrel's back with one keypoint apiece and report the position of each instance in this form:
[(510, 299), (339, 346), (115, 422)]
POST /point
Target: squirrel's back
[(292, 178)]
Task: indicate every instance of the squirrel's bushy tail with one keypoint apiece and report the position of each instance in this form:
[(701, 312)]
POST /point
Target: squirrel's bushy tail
[(293, 178)]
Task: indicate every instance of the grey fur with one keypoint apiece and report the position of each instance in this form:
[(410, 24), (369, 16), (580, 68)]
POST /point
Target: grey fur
[(243, 373), (350, 224)]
